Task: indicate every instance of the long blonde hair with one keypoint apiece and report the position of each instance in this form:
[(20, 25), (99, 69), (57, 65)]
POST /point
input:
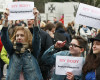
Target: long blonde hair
[(28, 35)]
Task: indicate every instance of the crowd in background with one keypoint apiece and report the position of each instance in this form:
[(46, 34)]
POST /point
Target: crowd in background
[(51, 33)]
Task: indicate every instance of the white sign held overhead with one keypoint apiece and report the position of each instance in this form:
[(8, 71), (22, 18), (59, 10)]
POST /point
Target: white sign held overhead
[(3, 4), (20, 10), (88, 15), (66, 64)]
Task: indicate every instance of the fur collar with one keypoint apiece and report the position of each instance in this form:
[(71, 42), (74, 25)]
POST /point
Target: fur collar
[(20, 47)]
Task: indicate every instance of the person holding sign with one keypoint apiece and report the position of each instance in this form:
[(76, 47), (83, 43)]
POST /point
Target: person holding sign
[(76, 48), (46, 42), (91, 68), (23, 52)]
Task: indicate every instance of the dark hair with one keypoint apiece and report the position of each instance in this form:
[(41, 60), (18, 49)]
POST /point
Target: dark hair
[(69, 24), (73, 23), (79, 29), (91, 63), (45, 21), (49, 26), (82, 42), (59, 25)]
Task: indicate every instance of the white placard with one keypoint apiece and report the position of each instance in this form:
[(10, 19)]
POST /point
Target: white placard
[(21, 10), (3, 5), (66, 64), (88, 15)]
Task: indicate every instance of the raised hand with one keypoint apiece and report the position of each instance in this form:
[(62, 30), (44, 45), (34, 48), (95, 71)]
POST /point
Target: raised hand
[(35, 12), (6, 18), (60, 44), (6, 14)]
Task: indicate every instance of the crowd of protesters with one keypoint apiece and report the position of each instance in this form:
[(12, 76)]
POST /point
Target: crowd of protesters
[(30, 48)]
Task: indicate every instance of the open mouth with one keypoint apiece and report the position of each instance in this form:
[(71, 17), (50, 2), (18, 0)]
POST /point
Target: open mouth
[(19, 41)]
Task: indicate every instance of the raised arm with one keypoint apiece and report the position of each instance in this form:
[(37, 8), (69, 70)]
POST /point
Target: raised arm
[(49, 55), (5, 37), (36, 42)]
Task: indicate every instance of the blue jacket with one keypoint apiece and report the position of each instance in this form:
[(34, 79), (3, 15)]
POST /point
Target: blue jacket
[(50, 59), (25, 62)]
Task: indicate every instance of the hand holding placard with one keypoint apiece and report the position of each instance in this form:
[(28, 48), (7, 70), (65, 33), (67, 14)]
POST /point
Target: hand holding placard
[(5, 20), (70, 76), (71, 64), (21, 10)]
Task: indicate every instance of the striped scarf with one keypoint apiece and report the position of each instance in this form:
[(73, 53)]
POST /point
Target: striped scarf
[(20, 47)]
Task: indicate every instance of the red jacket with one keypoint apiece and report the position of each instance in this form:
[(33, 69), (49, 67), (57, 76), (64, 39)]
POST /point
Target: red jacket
[(62, 20), (0, 45)]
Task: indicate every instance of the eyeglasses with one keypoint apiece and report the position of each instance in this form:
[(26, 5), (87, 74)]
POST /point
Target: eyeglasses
[(74, 45)]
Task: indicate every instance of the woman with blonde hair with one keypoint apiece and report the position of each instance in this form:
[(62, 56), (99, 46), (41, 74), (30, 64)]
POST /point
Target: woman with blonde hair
[(42, 25), (23, 52)]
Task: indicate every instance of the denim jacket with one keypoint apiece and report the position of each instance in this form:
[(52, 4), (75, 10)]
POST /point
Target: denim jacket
[(50, 59), (25, 62)]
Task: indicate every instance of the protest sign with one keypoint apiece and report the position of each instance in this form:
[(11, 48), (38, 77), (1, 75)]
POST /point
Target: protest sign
[(20, 10), (3, 5), (88, 15), (66, 64)]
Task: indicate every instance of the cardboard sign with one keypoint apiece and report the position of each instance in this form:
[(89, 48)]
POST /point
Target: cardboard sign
[(66, 64), (20, 10), (88, 15)]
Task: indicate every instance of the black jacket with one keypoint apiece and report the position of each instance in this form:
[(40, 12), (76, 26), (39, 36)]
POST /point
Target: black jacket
[(62, 31), (46, 41), (98, 73), (1, 63)]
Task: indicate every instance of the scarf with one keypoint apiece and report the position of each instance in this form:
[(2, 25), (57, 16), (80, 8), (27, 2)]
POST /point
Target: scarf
[(85, 29), (20, 47)]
